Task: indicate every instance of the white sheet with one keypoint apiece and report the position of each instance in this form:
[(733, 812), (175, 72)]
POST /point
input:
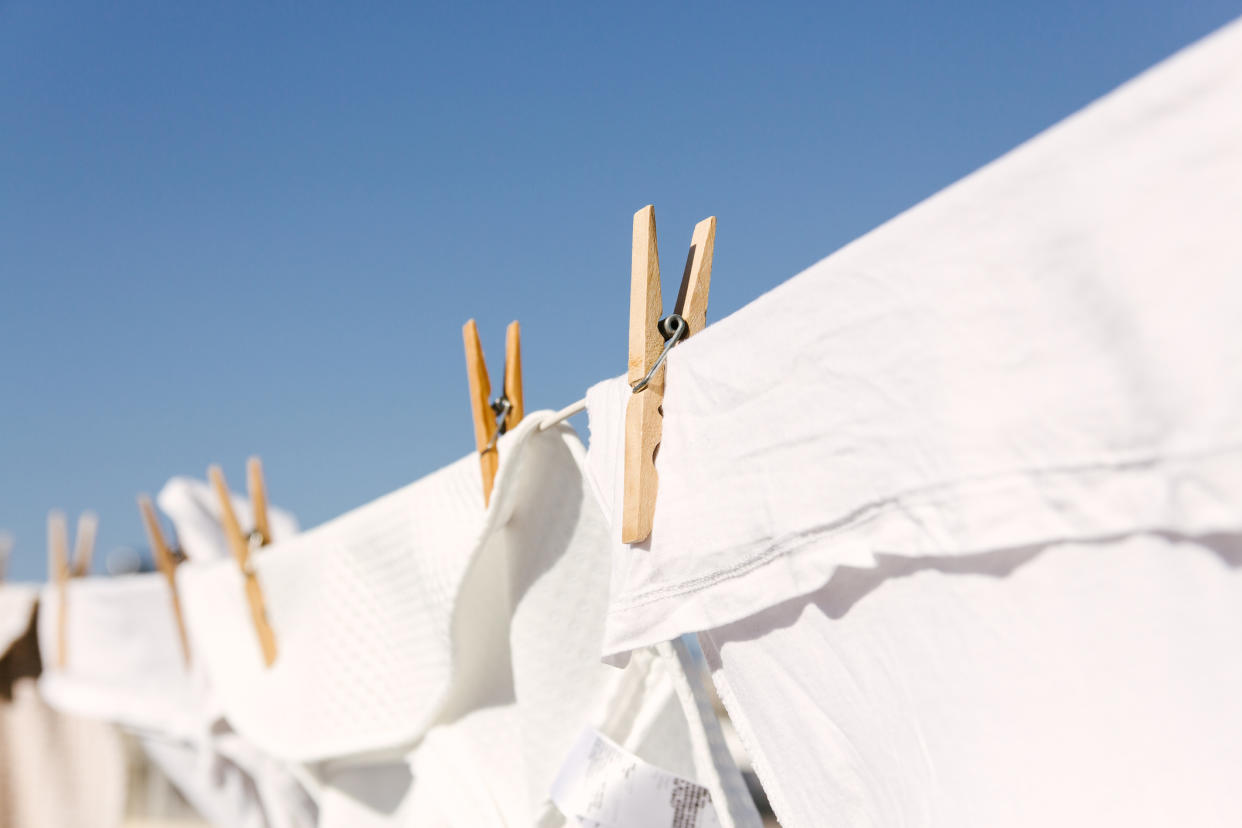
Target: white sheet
[(956, 510), (1071, 685), (1047, 349)]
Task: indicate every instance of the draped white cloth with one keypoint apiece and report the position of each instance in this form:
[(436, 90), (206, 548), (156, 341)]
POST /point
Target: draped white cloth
[(437, 659), (951, 510)]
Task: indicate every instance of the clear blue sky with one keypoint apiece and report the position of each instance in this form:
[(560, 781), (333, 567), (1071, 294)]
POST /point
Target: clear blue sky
[(233, 228)]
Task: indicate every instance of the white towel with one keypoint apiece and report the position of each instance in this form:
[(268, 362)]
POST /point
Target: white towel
[(437, 659), (361, 609)]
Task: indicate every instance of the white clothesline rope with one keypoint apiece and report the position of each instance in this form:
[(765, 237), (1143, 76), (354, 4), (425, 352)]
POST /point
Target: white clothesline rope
[(563, 415)]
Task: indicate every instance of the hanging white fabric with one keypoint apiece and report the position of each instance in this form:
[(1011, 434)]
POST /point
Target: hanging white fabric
[(438, 658), (1047, 349), (956, 512)]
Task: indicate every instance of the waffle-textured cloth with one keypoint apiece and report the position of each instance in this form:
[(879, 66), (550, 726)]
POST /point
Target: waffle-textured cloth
[(925, 501), (437, 659), (194, 509), (124, 665), (56, 770), (361, 608)]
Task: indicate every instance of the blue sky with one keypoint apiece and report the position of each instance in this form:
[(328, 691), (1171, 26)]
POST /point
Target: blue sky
[(233, 228)]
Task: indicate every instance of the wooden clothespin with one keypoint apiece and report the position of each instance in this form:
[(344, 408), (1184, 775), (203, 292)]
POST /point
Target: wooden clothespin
[(242, 545), (84, 543), (167, 562), (62, 570), (258, 500), (493, 417), (651, 338), (6, 549)]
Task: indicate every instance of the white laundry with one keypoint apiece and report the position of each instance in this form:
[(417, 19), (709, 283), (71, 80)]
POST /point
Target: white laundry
[(437, 659), (124, 661), (1077, 684), (194, 509), (361, 622), (229, 783), (56, 770), (1040, 361), (1046, 349), (125, 666)]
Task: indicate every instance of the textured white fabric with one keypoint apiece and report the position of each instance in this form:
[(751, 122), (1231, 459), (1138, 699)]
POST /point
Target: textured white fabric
[(194, 509), (437, 659), (360, 608), (1047, 349), (125, 666), (1070, 685), (542, 574)]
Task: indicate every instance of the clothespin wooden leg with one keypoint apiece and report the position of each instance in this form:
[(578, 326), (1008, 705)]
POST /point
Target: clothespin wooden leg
[(241, 552), (696, 279), (487, 425), (513, 376), (167, 565), (6, 549), (258, 499), (58, 564), (644, 414), (480, 408), (84, 544)]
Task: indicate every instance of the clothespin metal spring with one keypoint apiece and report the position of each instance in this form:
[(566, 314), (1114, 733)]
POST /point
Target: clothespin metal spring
[(672, 328), (501, 406)]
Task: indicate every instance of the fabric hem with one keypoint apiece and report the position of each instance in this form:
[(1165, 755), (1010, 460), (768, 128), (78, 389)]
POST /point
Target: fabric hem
[(1183, 494)]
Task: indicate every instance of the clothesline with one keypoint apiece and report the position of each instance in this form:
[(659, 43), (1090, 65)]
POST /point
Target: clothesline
[(564, 414)]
